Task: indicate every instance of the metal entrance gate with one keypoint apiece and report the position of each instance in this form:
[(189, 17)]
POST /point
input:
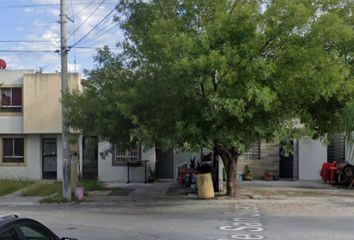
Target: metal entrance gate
[(90, 158), (289, 166), (49, 154), (164, 163)]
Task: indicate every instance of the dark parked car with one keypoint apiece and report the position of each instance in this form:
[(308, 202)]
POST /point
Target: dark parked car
[(13, 227)]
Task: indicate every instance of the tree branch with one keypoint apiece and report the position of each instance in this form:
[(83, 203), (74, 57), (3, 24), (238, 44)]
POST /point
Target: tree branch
[(215, 81)]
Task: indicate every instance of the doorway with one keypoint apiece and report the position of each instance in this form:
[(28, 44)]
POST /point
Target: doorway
[(90, 158), (289, 165), (49, 155), (164, 163)]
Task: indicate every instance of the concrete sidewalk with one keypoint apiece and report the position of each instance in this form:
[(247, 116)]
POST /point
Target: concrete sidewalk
[(284, 189), (129, 193), (144, 190), (123, 193), (20, 201), (132, 192), (16, 199), (310, 184)]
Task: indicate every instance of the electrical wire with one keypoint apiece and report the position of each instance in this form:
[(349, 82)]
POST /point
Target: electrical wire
[(84, 36), (28, 51), (85, 7), (99, 5), (26, 41), (73, 17), (102, 34), (95, 47), (3, 7), (27, 24)]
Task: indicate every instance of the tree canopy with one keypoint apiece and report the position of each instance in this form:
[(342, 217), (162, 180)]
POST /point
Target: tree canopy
[(221, 74)]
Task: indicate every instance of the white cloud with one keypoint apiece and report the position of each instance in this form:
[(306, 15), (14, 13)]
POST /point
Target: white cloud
[(44, 28), (28, 10), (74, 67)]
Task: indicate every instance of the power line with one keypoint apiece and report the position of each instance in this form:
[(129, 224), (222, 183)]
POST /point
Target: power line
[(27, 24), (102, 34), (99, 5), (83, 37), (26, 41), (95, 47), (85, 7), (28, 51), (73, 17), (2, 7)]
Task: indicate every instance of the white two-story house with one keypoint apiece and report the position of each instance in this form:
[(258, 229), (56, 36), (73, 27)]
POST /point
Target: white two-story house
[(31, 124)]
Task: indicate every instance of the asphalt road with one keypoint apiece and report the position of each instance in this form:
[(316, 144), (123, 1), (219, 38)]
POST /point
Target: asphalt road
[(307, 218), (187, 219), (309, 227)]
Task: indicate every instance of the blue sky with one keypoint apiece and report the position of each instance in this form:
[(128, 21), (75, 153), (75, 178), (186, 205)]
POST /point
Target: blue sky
[(35, 22)]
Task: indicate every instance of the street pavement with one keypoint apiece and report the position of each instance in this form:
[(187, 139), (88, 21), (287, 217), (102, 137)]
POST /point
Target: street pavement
[(147, 212), (261, 211), (167, 219)]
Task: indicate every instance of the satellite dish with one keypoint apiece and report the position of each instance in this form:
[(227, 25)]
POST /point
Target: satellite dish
[(2, 64)]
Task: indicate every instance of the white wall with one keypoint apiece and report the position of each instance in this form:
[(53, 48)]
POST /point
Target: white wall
[(109, 173), (13, 76), (312, 154), (348, 148), (11, 124), (32, 168), (184, 157)]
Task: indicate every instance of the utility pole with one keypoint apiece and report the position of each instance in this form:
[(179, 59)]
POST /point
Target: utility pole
[(64, 88)]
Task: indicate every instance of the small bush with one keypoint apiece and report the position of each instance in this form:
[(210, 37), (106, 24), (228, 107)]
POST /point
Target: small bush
[(55, 198), (91, 185)]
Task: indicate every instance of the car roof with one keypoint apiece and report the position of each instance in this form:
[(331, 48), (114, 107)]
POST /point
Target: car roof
[(12, 218), (7, 218)]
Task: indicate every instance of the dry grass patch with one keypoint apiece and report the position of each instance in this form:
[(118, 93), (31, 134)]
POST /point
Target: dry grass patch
[(8, 186), (45, 188)]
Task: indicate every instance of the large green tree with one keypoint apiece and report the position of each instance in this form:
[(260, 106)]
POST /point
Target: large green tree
[(221, 74)]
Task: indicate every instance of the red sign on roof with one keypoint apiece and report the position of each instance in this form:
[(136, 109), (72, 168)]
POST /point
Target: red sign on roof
[(2, 64)]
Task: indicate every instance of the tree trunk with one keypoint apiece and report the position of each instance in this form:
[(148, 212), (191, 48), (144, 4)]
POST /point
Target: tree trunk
[(231, 176), (229, 158)]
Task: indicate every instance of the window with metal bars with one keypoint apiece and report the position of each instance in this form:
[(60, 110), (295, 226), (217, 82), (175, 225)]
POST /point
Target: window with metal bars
[(336, 149), (13, 150), (10, 99), (122, 156), (254, 153)]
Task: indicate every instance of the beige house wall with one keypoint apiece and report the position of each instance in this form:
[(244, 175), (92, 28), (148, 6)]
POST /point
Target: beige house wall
[(40, 118), (269, 161), (41, 102)]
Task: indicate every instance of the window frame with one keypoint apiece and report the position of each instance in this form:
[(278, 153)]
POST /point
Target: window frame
[(14, 228), (253, 153), (336, 148), (33, 223), (11, 106), (126, 158), (5, 163)]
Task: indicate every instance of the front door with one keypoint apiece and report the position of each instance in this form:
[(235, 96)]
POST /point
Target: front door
[(49, 154), (286, 166), (164, 163), (90, 158)]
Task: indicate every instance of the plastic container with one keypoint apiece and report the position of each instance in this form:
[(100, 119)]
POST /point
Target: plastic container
[(205, 186), (79, 193)]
